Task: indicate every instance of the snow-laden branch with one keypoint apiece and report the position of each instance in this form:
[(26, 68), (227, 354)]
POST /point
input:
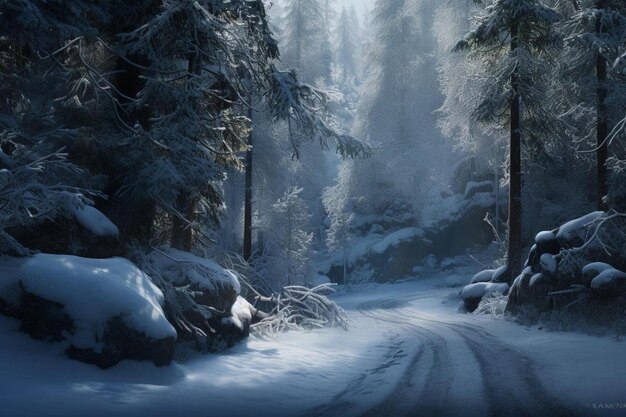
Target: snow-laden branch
[(301, 308)]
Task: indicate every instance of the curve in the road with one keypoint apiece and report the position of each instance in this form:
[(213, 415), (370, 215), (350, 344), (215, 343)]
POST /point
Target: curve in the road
[(510, 385)]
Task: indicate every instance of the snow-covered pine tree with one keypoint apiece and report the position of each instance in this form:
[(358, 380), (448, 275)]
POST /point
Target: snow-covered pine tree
[(452, 22), (279, 97), (304, 33), (190, 135), (326, 46), (339, 235), (346, 49), (399, 96), (37, 181), (289, 242), (514, 37), (359, 33), (595, 32)]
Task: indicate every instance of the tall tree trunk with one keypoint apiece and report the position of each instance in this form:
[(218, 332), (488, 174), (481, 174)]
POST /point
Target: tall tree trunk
[(514, 252), (496, 188), (134, 216), (602, 116), (247, 221), (182, 232)]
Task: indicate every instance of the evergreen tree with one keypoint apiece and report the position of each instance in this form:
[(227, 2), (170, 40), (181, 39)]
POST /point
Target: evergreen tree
[(457, 80), (595, 33), (398, 98), (289, 243), (305, 38), (38, 182), (514, 36), (346, 46)]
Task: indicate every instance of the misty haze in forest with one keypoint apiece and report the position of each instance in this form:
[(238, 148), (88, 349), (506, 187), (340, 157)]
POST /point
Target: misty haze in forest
[(312, 208)]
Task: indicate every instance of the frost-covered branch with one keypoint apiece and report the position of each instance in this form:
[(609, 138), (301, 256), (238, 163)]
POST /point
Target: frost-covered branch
[(301, 308)]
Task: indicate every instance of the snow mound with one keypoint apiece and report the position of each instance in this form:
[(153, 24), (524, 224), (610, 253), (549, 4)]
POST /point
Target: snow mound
[(318, 279), (483, 276), (188, 268), (396, 238), (92, 292), (96, 222), (545, 237), (609, 279), (548, 263), (480, 289), (594, 269), (576, 230), (497, 276)]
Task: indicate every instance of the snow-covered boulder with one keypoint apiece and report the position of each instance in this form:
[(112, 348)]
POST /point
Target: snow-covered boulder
[(547, 242), (548, 264), (520, 289), (107, 309), (483, 276), (214, 286), (592, 270), (461, 223), (202, 299), (473, 293), (448, 264), (396, 254), (605, 279), (575, 232), (384, 257), (581, 257), (500, 274), (395, 239)]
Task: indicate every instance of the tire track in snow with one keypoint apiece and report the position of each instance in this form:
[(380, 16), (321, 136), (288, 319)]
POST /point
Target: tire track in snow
[(436, 379), (510, 383), (364, 383), (508, 380)]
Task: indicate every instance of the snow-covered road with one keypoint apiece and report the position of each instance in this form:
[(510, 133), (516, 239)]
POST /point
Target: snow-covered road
[(408, 353)]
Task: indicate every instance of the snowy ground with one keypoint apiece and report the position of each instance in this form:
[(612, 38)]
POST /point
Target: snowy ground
[(408, 352)]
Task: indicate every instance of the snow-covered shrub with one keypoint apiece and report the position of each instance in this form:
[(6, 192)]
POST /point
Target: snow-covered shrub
[(473, 294), (493, 304), (301, 308)]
